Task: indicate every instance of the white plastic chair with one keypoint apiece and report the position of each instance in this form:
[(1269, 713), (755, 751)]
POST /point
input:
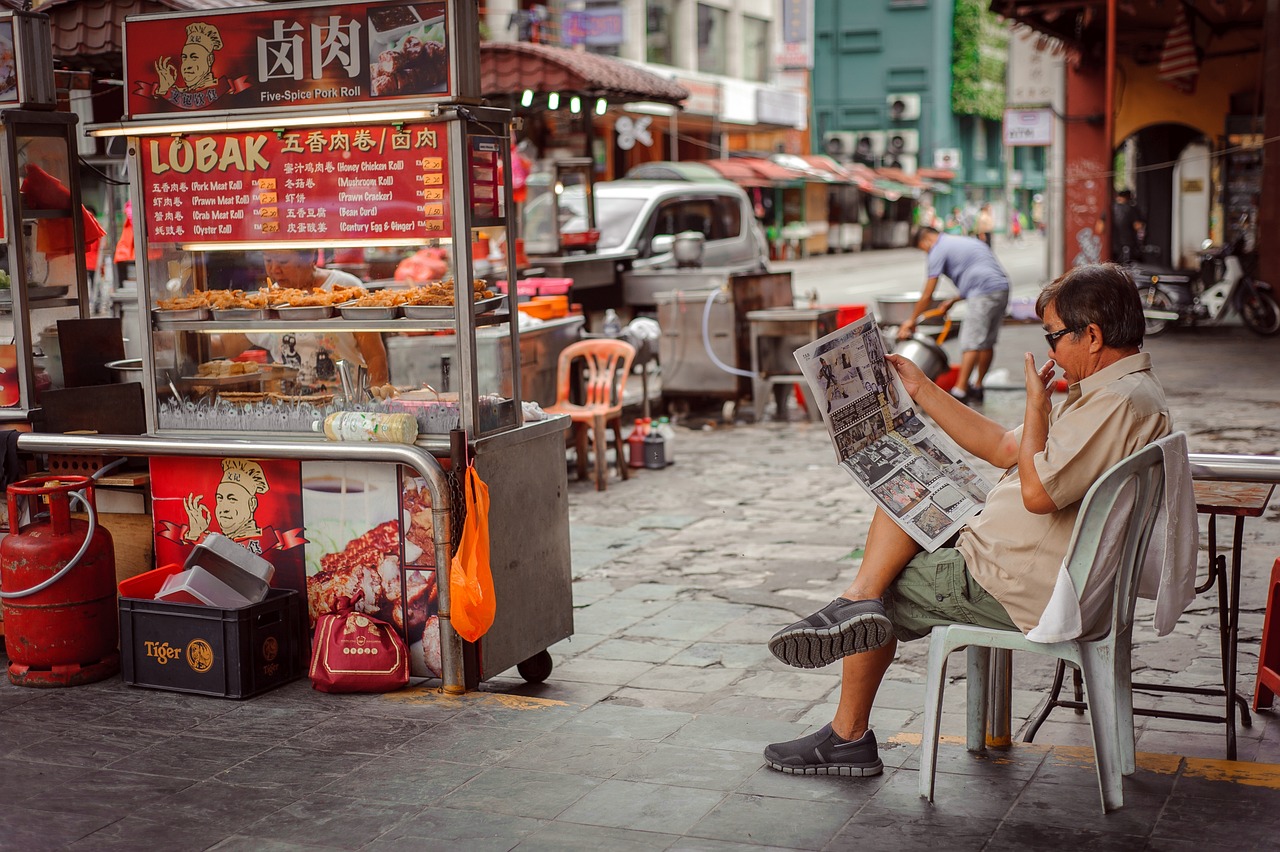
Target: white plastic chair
[(1127, 496)]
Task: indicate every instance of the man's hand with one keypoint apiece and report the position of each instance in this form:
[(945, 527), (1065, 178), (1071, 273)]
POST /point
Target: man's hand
[(1039, 383), (913, 378), (906, 329)]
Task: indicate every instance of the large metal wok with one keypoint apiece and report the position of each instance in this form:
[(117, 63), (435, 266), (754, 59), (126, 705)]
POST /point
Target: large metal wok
[(925, 351)]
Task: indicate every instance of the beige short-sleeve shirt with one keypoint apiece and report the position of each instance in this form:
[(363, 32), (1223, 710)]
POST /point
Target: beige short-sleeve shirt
[(1015, 554)]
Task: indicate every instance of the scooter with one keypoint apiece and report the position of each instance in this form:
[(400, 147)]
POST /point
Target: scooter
[(1208, 297)]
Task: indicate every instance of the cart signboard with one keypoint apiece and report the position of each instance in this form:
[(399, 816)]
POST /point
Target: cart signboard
[(26, 61), (286, 55), (350, 184)]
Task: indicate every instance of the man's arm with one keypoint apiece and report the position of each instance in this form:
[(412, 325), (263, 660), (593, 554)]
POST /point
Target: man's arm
[(923, 304), (976, 434), (374, 354)]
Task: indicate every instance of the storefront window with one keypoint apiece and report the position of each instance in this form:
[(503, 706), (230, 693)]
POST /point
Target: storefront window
[(712, 39), (660, 32), (755, 55)]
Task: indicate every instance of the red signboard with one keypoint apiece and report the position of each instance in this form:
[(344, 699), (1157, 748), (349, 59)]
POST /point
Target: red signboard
[(346, 184), (286, 55)]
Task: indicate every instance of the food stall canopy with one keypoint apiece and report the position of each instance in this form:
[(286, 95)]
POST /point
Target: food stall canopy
[(669, 170), (896, 180), (508, 68), (938, 180), (739, 171)]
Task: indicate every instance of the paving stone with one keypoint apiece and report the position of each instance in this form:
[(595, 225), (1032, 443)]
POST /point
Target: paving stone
[(686, 678), (619, 721), (643, 807), (579, 754), (565, 837), (447, 829), (614, 672), (521, 792), (638, 650), (771, 821), (331, 820), (731, 655)]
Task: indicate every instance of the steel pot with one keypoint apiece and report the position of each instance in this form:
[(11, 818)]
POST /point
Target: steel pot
[(925, 354), (895, 310), (127, 370), (687, 247)]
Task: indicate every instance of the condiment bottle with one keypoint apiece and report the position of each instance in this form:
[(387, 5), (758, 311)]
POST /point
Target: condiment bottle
[(635, 445), (369, 426), (668, 433)]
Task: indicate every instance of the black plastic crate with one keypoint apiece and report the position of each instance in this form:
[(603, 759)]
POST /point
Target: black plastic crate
[(233, 653)]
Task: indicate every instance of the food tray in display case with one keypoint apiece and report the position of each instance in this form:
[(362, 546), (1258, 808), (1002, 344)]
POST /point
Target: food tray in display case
[(34, 294), (482, 306), (239, 379), (223, 314), (186, 315), (369, 312), (304, 312)]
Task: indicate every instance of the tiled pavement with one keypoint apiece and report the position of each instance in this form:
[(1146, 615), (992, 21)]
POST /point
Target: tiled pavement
[(648, 733)]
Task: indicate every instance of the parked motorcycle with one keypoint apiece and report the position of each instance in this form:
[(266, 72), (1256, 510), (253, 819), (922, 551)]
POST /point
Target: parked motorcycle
[(1207, 296)]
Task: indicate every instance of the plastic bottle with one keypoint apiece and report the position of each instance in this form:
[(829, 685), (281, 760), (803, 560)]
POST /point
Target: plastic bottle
[(612, 325), (668, 433), (655, 456), (635, 445), (369, 426)]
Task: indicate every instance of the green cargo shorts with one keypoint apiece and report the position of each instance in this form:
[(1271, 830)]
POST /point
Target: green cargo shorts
[(935, 588)]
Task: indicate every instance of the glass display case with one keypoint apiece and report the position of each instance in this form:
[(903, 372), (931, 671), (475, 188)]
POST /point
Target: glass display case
[(255, 323), (42, 243)]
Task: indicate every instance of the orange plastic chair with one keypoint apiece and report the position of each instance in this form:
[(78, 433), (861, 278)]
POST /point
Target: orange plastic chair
[(605, 364)]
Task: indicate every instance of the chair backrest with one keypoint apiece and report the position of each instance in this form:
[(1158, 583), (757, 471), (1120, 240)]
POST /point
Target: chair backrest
[(605, 362), (1113, 530)]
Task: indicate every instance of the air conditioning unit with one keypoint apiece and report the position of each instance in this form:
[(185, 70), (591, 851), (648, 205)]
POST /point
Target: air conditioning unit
[(869, 143), (839, 144), (946, 158), (902, 142), (906, 162), (904, 107)]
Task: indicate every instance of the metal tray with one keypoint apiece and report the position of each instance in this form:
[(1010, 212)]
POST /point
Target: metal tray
[(306, 312), (483, 306), (242, 314), (369, 312), (187, 315), (224, 381), (35, 294)]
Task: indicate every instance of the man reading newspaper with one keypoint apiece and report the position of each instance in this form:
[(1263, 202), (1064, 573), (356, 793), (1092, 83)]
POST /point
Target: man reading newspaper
[(999, 569)]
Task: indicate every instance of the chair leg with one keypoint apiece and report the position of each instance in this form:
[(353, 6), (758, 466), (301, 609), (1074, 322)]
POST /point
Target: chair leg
[(978, 678), (580, 447), (620, 450), (1124, 704), (935, 683), (1059, 674), (1099, 682), (601, 448)]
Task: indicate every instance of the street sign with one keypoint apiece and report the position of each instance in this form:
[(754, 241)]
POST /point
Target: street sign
[(1028, 127)]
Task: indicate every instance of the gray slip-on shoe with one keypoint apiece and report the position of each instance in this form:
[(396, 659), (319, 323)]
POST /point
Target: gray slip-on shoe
[(824, 753), (840, 628)]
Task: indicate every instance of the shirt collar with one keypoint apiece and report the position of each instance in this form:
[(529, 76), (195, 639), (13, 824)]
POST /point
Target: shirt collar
[(1126, 365)]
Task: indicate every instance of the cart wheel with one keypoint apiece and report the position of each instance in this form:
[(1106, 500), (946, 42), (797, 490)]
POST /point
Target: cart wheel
[(537, 668)]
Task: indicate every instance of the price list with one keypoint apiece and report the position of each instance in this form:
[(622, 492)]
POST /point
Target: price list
[(343, 185)]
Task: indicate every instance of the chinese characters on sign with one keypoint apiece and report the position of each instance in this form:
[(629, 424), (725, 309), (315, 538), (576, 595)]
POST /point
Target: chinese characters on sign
[(354, 184), (290, 56)]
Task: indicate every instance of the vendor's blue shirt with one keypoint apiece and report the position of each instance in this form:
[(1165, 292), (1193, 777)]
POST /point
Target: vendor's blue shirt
[(969, 263)]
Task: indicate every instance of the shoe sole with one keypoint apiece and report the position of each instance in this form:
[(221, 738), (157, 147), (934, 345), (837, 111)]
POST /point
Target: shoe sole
[(830, 769), (815, 647)]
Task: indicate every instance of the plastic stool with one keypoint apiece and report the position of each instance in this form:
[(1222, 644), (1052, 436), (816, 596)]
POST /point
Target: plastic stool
[(1268, 682)]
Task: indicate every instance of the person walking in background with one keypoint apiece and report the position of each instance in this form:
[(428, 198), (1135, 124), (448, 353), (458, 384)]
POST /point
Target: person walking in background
[(1127, 225), (982, 282), (985, 224), (954, 223), (1015, 226)]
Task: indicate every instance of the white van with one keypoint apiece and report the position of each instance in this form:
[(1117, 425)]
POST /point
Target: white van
[(638, 219)]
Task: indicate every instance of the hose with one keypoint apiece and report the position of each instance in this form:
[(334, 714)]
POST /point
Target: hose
[(706, 340), (88, 539), (93, 528)]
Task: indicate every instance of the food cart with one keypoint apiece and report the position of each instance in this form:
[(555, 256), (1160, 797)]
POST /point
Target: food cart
[(296, 127)]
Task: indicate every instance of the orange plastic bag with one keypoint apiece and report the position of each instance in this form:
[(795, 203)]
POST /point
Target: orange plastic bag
[(471, 601)]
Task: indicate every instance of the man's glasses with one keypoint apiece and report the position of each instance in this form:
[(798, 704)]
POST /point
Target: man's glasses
[(1052, 337)]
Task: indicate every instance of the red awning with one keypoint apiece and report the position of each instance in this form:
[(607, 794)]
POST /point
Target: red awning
[(771, 171), (91, 28), (508, 68), (738, 171)]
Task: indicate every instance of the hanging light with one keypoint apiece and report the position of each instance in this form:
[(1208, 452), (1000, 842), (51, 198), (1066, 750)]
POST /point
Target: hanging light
[(553, 100), (601, 106), (526, 100), (575, 104)]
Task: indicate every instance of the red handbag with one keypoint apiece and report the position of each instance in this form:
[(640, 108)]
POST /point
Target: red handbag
[(355, 652)]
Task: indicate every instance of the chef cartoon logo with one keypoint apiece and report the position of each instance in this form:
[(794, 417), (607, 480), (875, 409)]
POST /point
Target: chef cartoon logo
[(235, 507), (200, 84)]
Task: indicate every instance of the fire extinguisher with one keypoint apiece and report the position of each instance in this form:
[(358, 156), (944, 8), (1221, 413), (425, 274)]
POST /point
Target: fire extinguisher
[(57, 584)]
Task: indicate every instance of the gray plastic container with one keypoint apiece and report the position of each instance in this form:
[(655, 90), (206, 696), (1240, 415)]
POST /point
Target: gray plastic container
[(238, 567)]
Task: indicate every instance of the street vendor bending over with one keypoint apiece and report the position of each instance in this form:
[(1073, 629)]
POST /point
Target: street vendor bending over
[(1000, 569), (314, 354)]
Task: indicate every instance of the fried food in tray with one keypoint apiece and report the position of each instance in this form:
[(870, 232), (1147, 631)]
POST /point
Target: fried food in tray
[(267, 297), (242, 397), (437, 293)]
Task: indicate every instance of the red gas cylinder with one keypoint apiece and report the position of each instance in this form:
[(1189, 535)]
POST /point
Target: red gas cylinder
[(68, 633)]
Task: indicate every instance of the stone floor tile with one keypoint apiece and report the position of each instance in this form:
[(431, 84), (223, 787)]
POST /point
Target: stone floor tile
[(407, 779), (521, 792), (729, 703), (1019, 837), (579, 754), (576, 644), (619, 721), (241, 843), (291, 770), (1080, 807), (472, 744), (567, 837), (732, 655), (189, 757), (678, 766), (651, 592), (771, 821), (661, 627), (252, 723), (789, 684), (638, 650), (612, 672), (706, 844), (331, 820), (726, 732), (444, 829), (957, 795), (639, 806), (685, 678), (853, 791), (663, 699), (132, 833), (873, 827)]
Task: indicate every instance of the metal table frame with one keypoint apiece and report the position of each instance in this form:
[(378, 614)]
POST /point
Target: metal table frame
[(1207, 467)]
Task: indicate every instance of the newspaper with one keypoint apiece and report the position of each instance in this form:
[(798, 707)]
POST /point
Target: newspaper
[(910, 468)]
